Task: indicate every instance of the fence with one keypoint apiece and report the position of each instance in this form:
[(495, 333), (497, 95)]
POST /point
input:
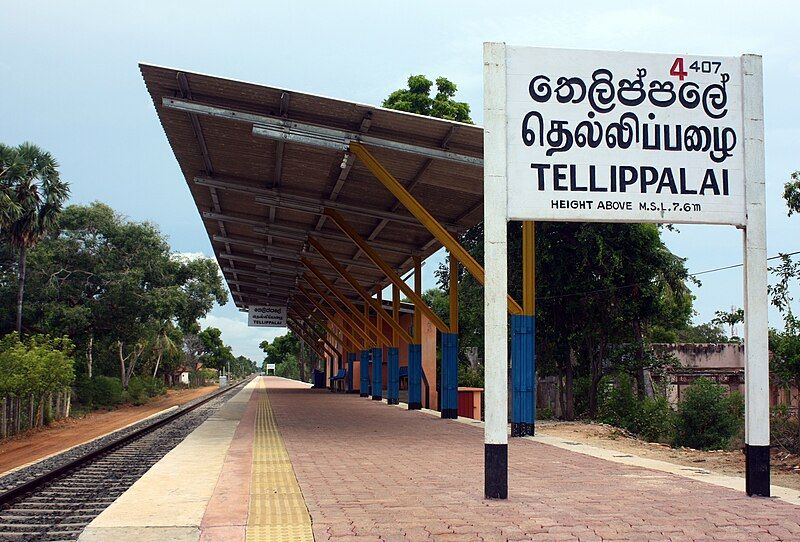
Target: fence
[(18, 414)]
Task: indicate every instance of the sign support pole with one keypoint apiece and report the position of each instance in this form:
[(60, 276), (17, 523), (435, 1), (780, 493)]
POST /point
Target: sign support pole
[(756, 349), (496, 285)]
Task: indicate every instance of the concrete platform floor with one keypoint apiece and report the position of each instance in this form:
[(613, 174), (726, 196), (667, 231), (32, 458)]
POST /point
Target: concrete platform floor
[(368, 471)]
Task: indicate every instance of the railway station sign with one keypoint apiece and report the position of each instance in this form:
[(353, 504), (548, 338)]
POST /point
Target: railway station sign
[(266, 316), (600, 136), (624, 137)]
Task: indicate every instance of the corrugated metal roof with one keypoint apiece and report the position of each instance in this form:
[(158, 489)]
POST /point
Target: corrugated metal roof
[(260, 199)]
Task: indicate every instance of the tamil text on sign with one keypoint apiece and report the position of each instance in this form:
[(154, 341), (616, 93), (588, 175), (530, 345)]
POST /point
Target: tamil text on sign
[(624, 137)]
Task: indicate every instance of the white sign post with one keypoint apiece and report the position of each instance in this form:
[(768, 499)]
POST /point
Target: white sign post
[(589, 136), (266, 316)]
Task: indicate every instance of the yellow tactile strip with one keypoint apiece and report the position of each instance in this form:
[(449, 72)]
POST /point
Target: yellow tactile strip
[(277, 508)]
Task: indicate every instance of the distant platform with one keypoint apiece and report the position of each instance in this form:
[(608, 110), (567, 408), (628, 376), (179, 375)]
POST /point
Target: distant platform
[(283, 462)]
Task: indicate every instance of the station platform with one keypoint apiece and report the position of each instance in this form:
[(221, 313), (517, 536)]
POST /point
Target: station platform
[(283, 462)]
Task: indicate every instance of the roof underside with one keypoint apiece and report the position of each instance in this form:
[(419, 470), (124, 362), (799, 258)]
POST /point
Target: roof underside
[(260, 199)]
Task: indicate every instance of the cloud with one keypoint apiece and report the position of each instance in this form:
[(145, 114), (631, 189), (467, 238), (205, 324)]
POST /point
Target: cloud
[(243, 340)]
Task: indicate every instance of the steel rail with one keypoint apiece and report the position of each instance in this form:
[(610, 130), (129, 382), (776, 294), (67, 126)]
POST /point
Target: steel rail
[(8, 497)]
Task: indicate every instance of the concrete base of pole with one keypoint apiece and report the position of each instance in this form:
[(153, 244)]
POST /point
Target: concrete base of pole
[(521, 429), (756, 461), (495, 483), (450, 413)]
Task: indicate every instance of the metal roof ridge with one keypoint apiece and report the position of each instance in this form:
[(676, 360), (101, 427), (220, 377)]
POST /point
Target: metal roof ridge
[(340, 100)]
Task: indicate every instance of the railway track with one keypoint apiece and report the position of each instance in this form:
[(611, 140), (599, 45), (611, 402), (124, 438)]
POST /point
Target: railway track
[(56, 505)]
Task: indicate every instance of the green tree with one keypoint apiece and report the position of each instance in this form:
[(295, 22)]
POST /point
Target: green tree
[(417, 99), (791, 193), (34, 195), (215, 354), (114, 287), (166, 342), (242, 366), (785, 344), (729, 318), (283, 351), (33, 368), (701, 333), (438, 301)]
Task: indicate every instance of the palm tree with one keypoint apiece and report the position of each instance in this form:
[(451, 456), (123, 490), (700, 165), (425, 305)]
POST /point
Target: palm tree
[(164, 344), (31, 198)]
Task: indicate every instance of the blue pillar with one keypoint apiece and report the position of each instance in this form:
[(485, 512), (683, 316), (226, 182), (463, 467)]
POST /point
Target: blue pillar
[(414, 376), (364, 369), (449, 386), (393, 380), (377, 374), (523, 375), (351, 362)]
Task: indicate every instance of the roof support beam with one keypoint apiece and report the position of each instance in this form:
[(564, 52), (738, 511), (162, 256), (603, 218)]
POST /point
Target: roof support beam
[(308, 134), (276, 176), (299, 234), (425, 218), (383, 339), (349, 317), (303, 204), (311, 330), (258, 274), (343, 332), (297, 330), (259, 261), (409, 187), (374, 303), (358, 335), (261, 298), (260, 285), (419, 303)]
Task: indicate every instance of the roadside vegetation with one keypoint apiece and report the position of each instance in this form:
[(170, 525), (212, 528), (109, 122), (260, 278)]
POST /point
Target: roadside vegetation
[(94, 307)]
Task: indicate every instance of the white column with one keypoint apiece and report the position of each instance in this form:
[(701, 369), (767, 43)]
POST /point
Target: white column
[(495, 254), (755, 282)]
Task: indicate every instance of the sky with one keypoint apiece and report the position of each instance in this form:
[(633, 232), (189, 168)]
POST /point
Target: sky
[(70, 83)]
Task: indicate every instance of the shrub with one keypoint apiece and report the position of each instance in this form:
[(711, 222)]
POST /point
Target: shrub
[(137, 391), (651, 419), (100, 391), (153, 386), (655, 420), (708, 417), (785, 429), (467, 376), (207, 375), (36, 366), (616, 401), (545, 413)]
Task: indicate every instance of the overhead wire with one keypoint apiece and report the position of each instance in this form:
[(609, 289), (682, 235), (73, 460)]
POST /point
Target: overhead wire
[(625, 286)]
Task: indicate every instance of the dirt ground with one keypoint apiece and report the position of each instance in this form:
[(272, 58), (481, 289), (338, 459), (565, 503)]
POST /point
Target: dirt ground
[(63, 434), (785, 467)]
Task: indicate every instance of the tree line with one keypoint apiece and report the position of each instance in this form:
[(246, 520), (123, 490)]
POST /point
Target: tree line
[(105, 290)]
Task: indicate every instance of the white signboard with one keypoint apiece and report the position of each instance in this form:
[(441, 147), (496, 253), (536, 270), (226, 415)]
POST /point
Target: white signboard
[(266, 316), (624, 137)]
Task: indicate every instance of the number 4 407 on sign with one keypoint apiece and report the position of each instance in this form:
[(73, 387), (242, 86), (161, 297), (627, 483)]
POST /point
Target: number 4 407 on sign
[(698, 66)]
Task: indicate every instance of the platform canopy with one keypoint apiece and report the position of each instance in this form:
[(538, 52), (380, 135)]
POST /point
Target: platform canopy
[(266, 166)]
